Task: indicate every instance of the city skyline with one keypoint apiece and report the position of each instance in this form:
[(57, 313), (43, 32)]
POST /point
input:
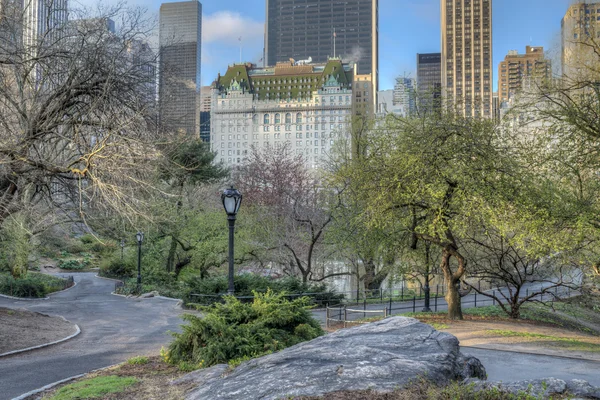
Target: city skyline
[(406, 28)]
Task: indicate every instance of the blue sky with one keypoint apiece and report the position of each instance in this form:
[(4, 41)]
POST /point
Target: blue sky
[(406, 27)]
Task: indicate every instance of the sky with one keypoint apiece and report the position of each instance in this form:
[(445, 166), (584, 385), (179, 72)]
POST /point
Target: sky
[(406, 27)]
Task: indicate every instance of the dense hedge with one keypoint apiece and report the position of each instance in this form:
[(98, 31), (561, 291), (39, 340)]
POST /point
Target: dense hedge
[(33, 285), (235, 331), (246, 284)]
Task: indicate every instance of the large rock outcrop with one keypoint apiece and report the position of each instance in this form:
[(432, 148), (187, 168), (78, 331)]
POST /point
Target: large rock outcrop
[(383, 355)]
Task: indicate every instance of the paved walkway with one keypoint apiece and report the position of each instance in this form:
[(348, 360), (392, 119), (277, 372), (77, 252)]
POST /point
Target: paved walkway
[(510, 366), (113, 329)]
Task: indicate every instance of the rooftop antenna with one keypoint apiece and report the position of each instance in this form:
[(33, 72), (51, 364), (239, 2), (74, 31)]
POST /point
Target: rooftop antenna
[(334, 39)]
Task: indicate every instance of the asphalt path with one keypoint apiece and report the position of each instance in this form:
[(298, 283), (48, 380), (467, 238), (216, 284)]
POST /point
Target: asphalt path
[(113, 329), (509, 366)]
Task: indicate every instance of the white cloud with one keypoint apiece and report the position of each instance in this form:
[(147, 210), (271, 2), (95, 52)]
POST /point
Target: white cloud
[(227, 27)]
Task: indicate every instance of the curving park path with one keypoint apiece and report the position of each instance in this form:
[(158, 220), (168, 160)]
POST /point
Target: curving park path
[(113, 329)]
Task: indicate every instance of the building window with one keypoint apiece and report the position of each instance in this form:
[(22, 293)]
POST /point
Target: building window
[(277, 118), (299, 119), (288, 118), (266, 119)]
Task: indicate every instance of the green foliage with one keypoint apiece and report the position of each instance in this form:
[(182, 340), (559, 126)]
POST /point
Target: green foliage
[(189, 161), (235, 330), (33, 285), (139, 360), (247, 284), (14, 246), (94, 388), (87, 239), (115, 267), (74, 264)]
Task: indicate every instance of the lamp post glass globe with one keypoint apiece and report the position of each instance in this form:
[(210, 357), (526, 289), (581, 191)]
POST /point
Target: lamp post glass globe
[(231, 199), (140, 237)]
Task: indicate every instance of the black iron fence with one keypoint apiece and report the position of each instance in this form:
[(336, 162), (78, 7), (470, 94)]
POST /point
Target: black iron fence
[(343, 315), (329, 299)]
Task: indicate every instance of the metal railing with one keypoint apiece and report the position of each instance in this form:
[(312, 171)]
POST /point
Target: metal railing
[(347, 314)]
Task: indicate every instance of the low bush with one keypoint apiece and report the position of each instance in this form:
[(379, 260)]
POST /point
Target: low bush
[(33, 285), (14, 246), (236, 330), (74, 264), (115, 267), (246, 284)]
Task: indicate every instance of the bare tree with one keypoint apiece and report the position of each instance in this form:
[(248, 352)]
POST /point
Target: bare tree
[(77, 114), (518, 277), (295, 211)]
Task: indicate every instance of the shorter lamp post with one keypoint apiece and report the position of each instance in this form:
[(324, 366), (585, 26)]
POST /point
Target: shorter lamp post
[(122, 248), (140, 238), (231, 199)]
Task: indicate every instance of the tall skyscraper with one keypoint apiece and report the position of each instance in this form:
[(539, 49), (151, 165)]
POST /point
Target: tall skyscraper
[(429, 80), (41, 18), (404, 95), (517, 68), (580, 33), (179, 66), (205, 99), (303, 29), (466, 27)]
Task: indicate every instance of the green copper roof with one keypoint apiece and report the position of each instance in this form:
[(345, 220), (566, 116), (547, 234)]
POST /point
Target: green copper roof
[(286, 81)]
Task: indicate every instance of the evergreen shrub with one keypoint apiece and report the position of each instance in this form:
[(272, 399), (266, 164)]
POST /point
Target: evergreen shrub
[(247, 284), (235, 330)]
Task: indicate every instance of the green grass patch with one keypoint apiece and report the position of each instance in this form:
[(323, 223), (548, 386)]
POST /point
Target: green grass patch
[(569, 343), (94, 388), (140, 360)]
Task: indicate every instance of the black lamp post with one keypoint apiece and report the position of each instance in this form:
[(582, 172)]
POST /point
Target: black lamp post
[(122, 248), (231, 199), (140, 238), (427, 289)]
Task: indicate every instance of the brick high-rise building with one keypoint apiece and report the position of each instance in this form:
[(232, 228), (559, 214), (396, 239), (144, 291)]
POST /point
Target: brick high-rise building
[(516, 68), (179, 66), (580, 33), (466, 27), (303, 29)]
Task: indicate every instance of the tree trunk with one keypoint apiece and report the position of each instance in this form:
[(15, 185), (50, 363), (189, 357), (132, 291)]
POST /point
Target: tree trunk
[(171, 256), (181, 264), (305, 276), (451, 280), (515, 311)]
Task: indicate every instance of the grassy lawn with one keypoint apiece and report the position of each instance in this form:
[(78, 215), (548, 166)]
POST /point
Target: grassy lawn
[(138, 378), (95, 388)]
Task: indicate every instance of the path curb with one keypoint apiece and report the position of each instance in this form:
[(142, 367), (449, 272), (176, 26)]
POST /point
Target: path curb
[(38, 298), (10, 353), (24, 298)]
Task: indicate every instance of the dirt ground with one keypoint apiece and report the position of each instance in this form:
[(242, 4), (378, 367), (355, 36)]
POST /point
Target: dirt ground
[(21, 329), (481, 334)]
